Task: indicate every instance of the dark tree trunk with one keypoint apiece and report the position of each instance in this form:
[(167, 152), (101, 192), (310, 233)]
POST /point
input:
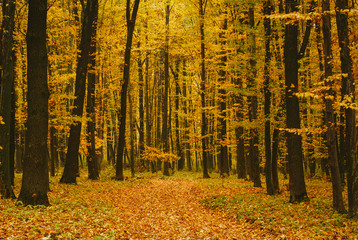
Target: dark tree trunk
[(330, 118), (131, 19), (132, 135), (141, 106), (178, 143), (71, 169), (35, 179), (165, 130), (267, 92), (92, 160), (6, 111), (275, 143), (297, 184), (12, 131), (222, 124), (348, 96), (253, 106), (148, 110), (53, 150), (204, 124), (186, 123)]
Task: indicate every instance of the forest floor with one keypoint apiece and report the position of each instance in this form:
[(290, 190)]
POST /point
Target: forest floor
[(183, 206)]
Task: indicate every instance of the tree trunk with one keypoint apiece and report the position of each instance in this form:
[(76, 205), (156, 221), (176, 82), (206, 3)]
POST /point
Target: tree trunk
[(132, 134), (165, 139), (222, 124), (330, 119), (131, 19), (253, 105), (141, 106), (71, 169), (204, 124), (35, 179), (92, 160), (186, 123), (178, 142), (297, 184), (348, 97), (6, 111), (267, 93)]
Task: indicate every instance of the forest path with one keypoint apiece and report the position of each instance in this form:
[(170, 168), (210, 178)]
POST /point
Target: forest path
[(171, 209), (146, 208)]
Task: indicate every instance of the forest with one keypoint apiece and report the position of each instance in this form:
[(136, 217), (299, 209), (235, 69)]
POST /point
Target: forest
[(178, 119)]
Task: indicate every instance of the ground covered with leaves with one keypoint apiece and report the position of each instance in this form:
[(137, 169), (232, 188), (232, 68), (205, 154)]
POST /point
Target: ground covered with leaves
[(183, 206)]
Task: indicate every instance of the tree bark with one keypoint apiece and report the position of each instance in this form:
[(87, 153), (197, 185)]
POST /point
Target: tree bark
[(297, 184), (165, 130), (267, 93), (92, 160), (253, 106), (6, 110), (204, 124), (338, 204), (35, 179), (186, 122), (222, 124), (348, 98), (141, 106)]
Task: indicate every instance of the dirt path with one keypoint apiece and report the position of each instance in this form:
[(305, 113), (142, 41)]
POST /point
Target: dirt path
[(169, 209)]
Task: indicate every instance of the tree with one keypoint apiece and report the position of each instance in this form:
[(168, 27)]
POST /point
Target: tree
[(7, 86), (297, 184), (130, 20), (92, 161), (253, 105), (70, 171), (35, 179), (222, 125), (204, 124), (165, 130), (267, 92), (348, 99), (330, 118)]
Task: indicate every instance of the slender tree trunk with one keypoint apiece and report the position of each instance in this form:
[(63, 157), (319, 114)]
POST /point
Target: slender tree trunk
[(204, 124), (12, 130), (53, 150), (92, 160), (35, 179), (267, 93), (131, 19), (222, 124), (330, 119), (178, 143), (186, 123), (297, 184), (165, 129), (71, 164), (141, 106), (132, 135), (253, 106), (348, 97), (6, 88)]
